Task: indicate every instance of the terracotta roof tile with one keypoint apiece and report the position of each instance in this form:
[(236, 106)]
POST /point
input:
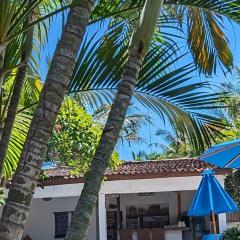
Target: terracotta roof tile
[(137, 170)]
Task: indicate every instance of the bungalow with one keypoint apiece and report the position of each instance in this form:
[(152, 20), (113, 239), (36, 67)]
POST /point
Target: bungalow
[(138, 199)]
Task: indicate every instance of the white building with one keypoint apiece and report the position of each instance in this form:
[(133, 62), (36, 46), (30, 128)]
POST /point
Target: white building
[(138, 198)]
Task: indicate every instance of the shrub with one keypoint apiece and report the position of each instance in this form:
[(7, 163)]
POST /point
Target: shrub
[(232, 233)]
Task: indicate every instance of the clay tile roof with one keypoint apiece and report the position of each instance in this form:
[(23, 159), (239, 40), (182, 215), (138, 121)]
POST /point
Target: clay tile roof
[(136, 170)]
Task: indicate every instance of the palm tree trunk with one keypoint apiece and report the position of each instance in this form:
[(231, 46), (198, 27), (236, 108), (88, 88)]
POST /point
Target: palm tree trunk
[(138, 47), (87, 201), (18, 203), (18, 84), (11, 113)]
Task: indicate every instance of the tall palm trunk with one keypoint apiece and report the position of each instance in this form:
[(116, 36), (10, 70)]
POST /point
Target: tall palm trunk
[(17, 207), (18, 84), (138, 47)]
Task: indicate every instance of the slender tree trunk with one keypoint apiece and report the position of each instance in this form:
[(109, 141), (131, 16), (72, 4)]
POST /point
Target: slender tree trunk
[(11, 113), (18, 84), (138, 48), (18, 203), (87, 201)]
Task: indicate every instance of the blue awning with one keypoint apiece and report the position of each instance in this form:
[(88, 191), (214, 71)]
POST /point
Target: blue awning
[(225, 155)]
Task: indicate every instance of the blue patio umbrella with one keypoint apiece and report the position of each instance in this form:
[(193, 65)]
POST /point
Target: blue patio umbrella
[(225, 155), (211, 198)]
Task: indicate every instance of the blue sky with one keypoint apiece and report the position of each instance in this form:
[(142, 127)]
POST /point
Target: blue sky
[(148, 132)]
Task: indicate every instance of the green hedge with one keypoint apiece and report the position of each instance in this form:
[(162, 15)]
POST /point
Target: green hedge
[(232, 233)]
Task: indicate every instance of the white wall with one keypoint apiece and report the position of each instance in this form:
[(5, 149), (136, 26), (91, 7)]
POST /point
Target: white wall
[(41, 221), (127, 186)]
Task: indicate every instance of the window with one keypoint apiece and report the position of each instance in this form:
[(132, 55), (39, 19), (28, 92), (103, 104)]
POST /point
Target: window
[(61, 224)]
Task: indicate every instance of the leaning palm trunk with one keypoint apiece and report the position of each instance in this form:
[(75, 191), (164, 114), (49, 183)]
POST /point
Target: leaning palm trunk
[(17, 207), (139, 45), (18, 84)]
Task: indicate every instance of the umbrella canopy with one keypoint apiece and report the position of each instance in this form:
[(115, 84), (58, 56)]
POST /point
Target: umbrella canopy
[(211, 197), (225, 155)]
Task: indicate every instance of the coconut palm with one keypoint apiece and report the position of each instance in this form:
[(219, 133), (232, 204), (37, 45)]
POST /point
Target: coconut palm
[(26, 50), (15, 149), (175, 145), (138, 48), (19, 37), (13, 17), (55, 87), (45, 114), (11, 36)]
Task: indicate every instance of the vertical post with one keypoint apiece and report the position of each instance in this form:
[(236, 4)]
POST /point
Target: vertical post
[(222, 219), (179, 204), (102, 216), (118, 212), (214, 223)]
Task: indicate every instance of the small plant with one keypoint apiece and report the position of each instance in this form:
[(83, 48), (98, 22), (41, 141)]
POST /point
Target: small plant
[(232, 233)]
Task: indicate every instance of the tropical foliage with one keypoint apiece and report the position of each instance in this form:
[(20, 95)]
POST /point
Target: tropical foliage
[(232, 233), (75, 138), (133, 123), (19, 41), (42, 123), (98, 86), (174, 145), (162, 87), (29, 96), (171, 145)]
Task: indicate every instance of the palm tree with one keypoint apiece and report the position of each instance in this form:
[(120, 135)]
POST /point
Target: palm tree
[(137, 51), (19, 38), (175, 145), (26, 50), (13, 17), (16, 209), (17, 15)]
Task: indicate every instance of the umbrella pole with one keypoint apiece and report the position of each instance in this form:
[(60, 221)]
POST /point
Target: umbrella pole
[(214, 223)]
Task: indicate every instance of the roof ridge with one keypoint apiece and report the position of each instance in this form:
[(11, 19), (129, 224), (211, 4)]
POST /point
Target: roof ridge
[(124, 162), (160, 160)]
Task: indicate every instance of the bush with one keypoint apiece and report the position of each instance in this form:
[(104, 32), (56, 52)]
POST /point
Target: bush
[(232, 233)]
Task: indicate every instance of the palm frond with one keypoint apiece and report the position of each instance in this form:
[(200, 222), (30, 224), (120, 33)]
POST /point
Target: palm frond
[(205, 31), (228, 8), (207, 41), (131, 126), (118, 9), (18, 136), (162, 87), (29, 97)]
